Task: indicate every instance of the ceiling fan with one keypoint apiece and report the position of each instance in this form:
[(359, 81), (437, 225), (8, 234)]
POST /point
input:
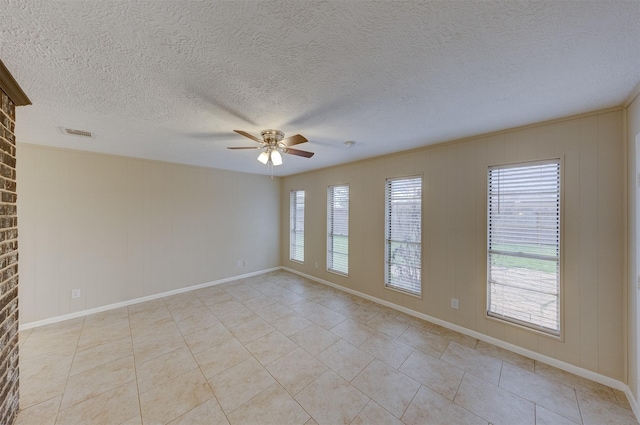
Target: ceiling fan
[(274, 143)]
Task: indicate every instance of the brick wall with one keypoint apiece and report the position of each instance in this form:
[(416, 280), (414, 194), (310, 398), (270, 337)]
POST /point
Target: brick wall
[(8, 265)]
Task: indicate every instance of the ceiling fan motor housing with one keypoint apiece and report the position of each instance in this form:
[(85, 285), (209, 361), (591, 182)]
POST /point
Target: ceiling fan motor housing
[(272, 137)]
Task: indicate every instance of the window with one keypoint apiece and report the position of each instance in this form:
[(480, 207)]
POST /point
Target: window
[(296, 226), (403, 233), (338, 229), (524, 245)]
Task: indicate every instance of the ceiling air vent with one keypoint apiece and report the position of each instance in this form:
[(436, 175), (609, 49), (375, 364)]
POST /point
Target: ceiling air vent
[(73, 132)]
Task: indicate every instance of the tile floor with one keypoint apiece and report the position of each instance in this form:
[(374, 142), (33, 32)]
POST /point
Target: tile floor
[(279, 349)]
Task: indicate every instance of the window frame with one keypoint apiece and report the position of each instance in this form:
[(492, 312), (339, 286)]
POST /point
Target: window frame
[(521, 324), (295, 248), (331, 226), (388, 284)]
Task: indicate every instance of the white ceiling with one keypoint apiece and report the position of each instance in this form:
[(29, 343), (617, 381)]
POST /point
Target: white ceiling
[(170, 80)]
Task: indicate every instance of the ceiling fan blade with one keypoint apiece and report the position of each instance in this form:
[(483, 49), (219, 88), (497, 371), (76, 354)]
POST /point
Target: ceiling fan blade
[(250, 136), (293, 140), (298, 152), (244, 147)]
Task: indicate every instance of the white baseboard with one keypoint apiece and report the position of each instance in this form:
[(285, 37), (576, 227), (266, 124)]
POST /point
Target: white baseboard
[(139, 300), (568, 367)]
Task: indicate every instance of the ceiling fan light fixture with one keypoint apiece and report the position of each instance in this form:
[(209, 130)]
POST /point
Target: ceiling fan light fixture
[(276, 158), (263, 157)]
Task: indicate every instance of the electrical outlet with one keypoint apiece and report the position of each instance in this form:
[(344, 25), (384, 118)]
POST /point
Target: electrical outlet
[(75, 293), (454, 303), (239, 263), (244, 263), (316, 264)]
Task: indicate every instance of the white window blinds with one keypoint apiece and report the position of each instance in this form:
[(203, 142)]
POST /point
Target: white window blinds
[(524, 244), (338, 229), (296, 226), (403, 229)]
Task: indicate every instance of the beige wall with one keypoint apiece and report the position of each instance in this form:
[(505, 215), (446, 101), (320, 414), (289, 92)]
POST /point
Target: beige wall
[(633, 138), (454, 232), (121, 228)]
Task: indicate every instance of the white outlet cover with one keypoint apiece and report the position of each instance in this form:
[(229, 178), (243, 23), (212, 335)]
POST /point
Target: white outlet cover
[(75, 293), (454, 303)]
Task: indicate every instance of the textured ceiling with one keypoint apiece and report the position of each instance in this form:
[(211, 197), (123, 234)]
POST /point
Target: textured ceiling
[(170, 80)]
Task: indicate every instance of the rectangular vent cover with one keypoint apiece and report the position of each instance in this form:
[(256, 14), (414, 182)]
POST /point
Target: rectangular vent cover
[(76, 132)]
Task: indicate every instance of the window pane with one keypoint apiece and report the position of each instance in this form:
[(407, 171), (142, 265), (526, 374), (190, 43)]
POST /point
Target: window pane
[(524, 244), (296, 226), (338, 229), (403, 230)]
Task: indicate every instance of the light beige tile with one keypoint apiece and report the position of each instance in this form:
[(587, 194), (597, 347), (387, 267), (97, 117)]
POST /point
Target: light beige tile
[(429, 407), (345, 359), (314, 339), (208, 413), (23, 335), (136, 420), (258, 302), (44, 413), (598, 411), (32, 365), (439, 376), (336, 303), (374, 414), (424, 341), (112, 407), (207, 338), (353, 332), (273, 311), (305, 307), (472, 361), (287, 298), (146, 307), (622, 399), (330, 400), (326, 318), (251, 330), (174, 398), (186, 312), (211, 300), (360, 313), (388, 325), (498, 406), (505, 355), (416, 322), (42, 387), (148, 316), (103, 318), (291, 323), (389, 350), (387, 387), (552, 395), (240, 384), (575, 381), (273, 406), (454, 336), (296, 370), (163, 368), (148, 348), (270, 347), (221, 308), (204, 321), (236, 317), (101, 354), (242, 293), (547, 417), (159, 329), (93, 382), (221, 357)]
